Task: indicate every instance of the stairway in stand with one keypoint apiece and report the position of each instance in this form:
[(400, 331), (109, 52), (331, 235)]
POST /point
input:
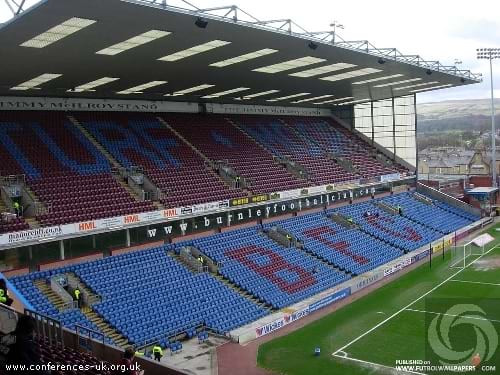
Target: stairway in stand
[(47, 291), (105, 328)]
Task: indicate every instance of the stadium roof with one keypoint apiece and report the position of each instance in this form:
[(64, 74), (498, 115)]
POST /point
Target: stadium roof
[(139, 49)]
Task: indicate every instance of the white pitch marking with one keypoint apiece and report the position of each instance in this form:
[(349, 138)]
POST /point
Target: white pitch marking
[(461, 316), (376, 364), (473, 282), (409, 305)]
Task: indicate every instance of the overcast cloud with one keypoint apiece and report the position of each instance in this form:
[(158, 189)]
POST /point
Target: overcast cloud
[(442, 30)]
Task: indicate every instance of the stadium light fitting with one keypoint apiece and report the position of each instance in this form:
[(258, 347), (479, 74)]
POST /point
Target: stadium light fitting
[(288, 97), (190, 90), (194, 50), (334, 100), (311, 99), (133, 42), (488, 53), (432, 88), (322, 70), (290, 64), (398, 82), (35, 82), (377, 79), (245, 57), (351, 74), (58, 32), (93, 84), (140, 88), (227, 92), (354, 102), (262, 93), (417, 85)]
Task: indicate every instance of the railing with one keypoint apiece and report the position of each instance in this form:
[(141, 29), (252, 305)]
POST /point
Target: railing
[(387, 208), (440, 196), (150, 342), (10, 180), (47, 327), (89, 338), (69, 303)]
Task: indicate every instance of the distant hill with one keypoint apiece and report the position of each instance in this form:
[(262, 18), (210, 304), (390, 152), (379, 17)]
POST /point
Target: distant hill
[(452, 115)]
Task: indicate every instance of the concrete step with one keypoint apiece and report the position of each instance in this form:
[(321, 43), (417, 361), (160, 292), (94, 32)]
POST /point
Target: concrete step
[(53, 298)]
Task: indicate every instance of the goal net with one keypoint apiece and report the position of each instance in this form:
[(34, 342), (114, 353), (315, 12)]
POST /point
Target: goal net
[(463, 255)]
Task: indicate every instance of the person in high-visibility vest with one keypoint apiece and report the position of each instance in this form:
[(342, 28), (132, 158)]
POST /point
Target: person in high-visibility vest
[(157, 352), (4, 295), (77, 293), (17, 208)]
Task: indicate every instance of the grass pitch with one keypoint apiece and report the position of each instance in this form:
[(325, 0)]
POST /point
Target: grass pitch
[(375, 333)]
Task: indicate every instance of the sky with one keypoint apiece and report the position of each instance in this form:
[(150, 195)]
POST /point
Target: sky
[(442, 30)]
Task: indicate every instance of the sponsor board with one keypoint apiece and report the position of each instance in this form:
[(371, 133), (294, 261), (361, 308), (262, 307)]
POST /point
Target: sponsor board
[(420, 256), (442, 244), (264, 110), (364, 281), (248, 200), (187, 224), (31, 235), (397, 267), (390, 177), (281, 322), (332, 298), (80, 104), (207, 207)]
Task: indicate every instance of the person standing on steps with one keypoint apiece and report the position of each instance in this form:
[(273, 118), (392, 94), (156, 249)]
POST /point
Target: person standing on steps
[(77, 297), (157, 353)]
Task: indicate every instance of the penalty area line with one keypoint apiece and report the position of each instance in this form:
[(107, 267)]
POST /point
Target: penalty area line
[(343, 348), (345, 357), (454, 316)]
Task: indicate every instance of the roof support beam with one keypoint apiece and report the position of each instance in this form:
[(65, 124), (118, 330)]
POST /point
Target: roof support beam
[(15, 7)]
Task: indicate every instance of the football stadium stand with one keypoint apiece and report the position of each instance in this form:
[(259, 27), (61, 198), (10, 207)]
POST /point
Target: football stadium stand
[(219, 140), (335, 139), (278, 275), (351, 250), (172, 165), (63, 168), (249, 262), (282, 141)]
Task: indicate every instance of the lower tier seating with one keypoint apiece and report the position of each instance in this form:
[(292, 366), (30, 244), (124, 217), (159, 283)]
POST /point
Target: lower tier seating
[(350, 250), (148, 295), (275, 274), (393, 229), (435, 216)]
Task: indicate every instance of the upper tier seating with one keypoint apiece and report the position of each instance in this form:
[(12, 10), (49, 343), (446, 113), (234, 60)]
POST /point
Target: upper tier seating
[(393, 229), (351, 250), (337, 140), (141, 140), (63, 168), (445, 221), (13, 225), (277, 275), (281, 140), (148, 295), (218, 139)]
